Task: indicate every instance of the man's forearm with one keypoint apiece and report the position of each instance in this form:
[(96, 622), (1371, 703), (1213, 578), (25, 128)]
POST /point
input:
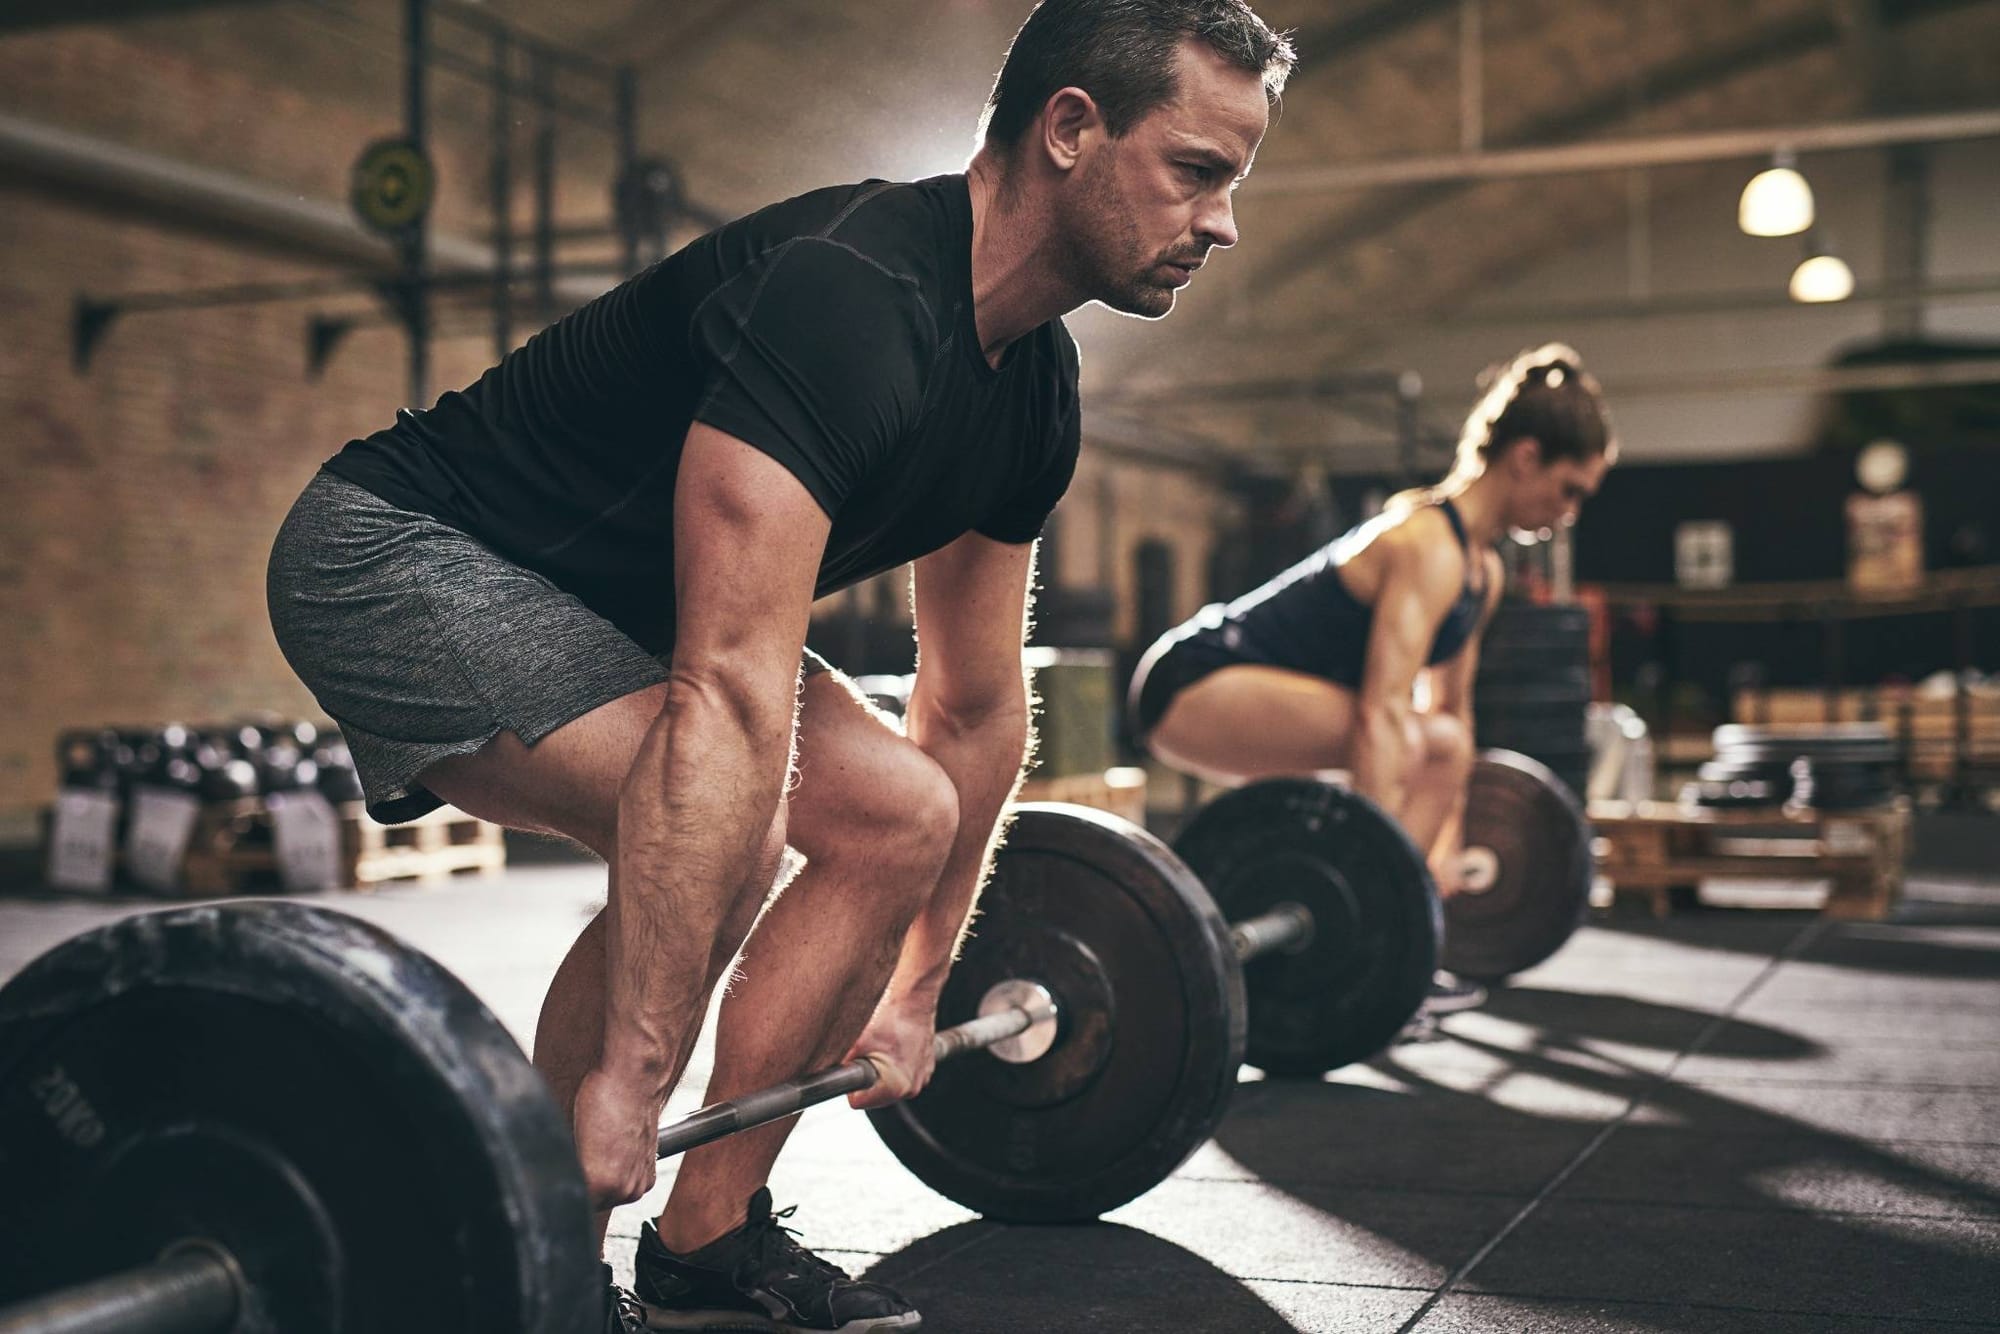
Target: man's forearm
[(982, 757)]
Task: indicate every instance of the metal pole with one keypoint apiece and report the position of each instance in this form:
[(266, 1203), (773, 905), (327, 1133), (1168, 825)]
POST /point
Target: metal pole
[(415, 294), (192, 1291), (503, 194), (1617, 154)]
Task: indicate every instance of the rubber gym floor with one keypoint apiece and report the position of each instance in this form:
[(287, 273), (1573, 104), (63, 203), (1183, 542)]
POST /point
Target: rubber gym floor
[(1726, 1121)]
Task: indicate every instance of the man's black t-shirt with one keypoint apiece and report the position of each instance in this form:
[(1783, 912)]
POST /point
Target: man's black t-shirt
[(833, 331)]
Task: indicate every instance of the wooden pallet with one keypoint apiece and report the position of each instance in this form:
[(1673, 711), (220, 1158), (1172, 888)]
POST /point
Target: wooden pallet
[(232, 853), (1661, 850), (1121, 791)]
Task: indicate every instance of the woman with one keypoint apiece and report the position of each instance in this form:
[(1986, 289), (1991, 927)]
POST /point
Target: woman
[(1318, 669)]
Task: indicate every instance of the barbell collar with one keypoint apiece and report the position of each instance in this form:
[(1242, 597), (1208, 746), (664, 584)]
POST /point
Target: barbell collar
[(195, 1288), (1288, 927)]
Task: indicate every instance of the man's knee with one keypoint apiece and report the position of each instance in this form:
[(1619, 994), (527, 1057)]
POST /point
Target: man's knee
[(904, 813)]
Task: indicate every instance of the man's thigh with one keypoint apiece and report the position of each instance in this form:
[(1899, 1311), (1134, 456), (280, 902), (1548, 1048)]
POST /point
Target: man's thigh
[(568, 782)]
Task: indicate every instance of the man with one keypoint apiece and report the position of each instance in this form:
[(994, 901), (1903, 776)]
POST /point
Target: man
[(826, 389)]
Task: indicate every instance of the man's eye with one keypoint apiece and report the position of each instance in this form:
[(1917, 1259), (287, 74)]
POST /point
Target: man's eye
[(1196, 170)]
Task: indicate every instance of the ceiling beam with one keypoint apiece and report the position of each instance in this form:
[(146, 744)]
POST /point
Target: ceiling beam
[(1771, 45), (1617, 154), (1350, 34), (21, 15)]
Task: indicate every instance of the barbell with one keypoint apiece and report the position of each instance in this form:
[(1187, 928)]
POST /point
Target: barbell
[(270, 1116)]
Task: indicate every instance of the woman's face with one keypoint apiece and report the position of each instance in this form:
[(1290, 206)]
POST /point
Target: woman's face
[(1543, 496)]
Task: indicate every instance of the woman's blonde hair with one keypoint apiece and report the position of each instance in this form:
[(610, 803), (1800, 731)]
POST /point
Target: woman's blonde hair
[(1544, 394)]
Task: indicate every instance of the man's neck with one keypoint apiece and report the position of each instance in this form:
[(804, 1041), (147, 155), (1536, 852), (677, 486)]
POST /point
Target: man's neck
[(1014, 287)]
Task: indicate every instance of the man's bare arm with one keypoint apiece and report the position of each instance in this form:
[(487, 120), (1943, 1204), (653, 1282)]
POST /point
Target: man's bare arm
[(700, 798), (969, 712)]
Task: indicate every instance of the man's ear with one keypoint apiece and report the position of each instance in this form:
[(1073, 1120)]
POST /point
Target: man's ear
[(1069, 118)]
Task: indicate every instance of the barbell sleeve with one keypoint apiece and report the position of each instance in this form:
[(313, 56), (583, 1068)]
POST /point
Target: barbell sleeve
[(192, 1290), (1289, 926)]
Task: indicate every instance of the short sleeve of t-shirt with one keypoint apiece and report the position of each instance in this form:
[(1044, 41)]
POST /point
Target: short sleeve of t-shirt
[(817, 356)]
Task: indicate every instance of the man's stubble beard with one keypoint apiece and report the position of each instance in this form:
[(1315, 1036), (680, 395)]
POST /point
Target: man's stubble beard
[(1106, 259)]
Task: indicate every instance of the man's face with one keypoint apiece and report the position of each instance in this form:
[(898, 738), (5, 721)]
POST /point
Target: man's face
[(1547, 496), (1145, 209)]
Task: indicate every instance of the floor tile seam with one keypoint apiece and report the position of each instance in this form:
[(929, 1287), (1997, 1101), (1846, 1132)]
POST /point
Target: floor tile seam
[(1946, 1322), (1355, 1188), (1813, 1133), (1715, 1024), (951, 1254), (1790, 1210), (1217, 1274), (1913, 1085)]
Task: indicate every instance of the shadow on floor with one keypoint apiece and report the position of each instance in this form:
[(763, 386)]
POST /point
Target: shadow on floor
[(1697, 1199), (987, 1277)]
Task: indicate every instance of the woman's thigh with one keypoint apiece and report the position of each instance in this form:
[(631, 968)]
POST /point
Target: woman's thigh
[(1250, 721)]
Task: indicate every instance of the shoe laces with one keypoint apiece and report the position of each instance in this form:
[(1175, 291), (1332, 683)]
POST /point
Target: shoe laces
[(628, 1311), (777, 1241)]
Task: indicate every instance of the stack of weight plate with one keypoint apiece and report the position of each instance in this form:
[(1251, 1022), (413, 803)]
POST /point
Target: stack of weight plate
[(1833, 767), (1532, 694)]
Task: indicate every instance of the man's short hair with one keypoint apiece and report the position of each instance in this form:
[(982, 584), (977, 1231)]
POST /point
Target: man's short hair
[(1122, 52)]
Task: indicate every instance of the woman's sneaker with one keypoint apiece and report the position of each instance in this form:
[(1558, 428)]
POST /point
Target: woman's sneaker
[(758, 1277)]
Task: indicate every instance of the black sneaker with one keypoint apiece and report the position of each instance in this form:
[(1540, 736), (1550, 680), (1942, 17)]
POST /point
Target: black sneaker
[(759, 1278), (622, 1312), (1451, 993)]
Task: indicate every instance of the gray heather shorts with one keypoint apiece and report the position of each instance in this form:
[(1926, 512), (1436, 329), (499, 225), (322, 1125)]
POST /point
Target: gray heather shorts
[(422, 643)]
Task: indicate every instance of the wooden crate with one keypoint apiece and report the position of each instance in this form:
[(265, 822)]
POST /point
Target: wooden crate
[(232, 853), (1122, 791), (1653, 849)]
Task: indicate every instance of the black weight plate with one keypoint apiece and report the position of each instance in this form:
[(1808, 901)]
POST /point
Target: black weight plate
[(1556, 753), (1529, 620), (1535, 828), (1539, 689), (1849, 743), (1151, 1033), (1780, 755), (1375, 913), (1727, 795), (1534, 669), (330, 1105), (1565, 730), (1567, 663)]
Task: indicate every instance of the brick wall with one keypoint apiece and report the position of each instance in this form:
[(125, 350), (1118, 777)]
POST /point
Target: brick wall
[(141, 497)]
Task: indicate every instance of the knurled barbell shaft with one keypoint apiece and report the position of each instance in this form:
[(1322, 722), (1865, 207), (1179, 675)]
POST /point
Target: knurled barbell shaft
[(192, 1291), (1289, 926), (795, 1095)]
